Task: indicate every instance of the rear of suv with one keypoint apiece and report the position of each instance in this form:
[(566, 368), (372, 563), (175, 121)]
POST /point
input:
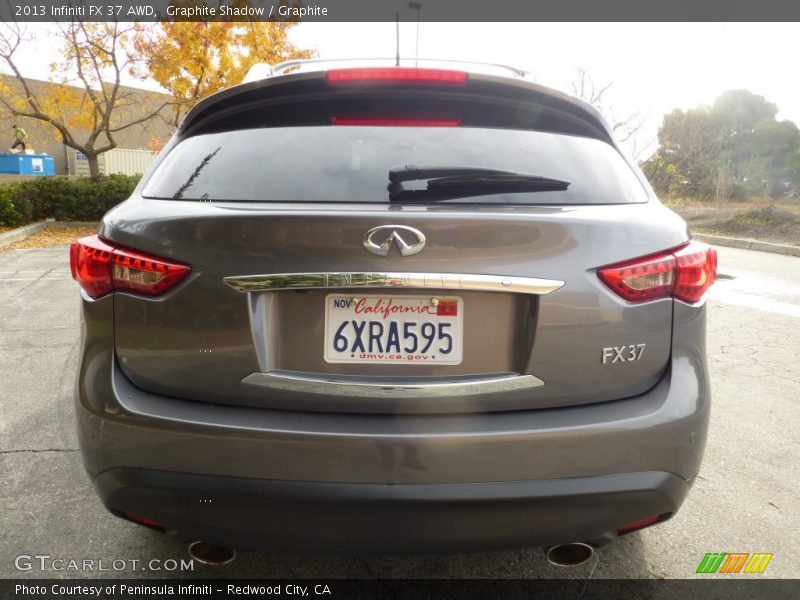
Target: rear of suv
[(395, 309)]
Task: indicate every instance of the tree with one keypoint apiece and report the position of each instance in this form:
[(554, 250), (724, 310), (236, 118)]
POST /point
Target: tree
[(192, 60), (762, 150), (626, 128), (85, 102), (689, 143), (733, 148)]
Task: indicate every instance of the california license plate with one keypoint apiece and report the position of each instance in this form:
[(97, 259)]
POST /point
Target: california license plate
[(393, 329)]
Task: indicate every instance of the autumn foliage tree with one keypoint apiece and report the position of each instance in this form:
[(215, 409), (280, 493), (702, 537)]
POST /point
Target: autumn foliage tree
[(85, 102), (191, 60)]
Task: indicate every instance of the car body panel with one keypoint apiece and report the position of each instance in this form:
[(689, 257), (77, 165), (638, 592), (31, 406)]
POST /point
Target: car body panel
[(201, 340), (663, 429)]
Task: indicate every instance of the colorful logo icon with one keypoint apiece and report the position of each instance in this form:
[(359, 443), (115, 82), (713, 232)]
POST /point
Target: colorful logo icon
[(734, 562)]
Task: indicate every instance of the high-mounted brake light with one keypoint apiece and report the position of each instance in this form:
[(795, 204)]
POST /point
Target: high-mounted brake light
[(684, 273), (396, 76), (100, 268), (391, 122)]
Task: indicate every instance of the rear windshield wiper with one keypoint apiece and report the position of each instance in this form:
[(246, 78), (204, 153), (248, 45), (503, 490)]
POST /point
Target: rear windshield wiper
[(444, 183)]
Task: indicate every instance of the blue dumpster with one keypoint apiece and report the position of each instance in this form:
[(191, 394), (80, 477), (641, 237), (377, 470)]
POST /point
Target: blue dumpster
[(27, 164)]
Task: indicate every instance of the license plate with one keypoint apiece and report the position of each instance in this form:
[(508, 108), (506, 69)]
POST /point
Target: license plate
[(393, 329)]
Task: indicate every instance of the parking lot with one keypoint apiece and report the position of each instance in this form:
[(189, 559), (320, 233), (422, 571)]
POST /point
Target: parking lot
[(745, 499)]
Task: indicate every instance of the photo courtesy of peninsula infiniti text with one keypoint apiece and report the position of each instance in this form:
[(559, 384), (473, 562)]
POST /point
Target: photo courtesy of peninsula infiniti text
[(358, 307)]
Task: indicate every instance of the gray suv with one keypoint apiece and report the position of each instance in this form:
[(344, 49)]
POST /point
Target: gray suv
[(394, 309)]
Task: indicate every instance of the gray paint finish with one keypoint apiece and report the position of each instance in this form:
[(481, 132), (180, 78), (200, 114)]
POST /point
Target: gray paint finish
[(661, 430), (200, 340), (167, 406)]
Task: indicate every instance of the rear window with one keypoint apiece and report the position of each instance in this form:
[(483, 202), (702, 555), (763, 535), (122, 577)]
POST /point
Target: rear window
[(352, 164)]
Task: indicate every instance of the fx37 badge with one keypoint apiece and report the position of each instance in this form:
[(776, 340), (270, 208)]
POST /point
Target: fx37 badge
[(614, 354)]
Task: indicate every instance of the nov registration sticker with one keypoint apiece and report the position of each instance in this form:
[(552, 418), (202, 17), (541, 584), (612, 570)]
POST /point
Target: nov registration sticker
[(389, 329)]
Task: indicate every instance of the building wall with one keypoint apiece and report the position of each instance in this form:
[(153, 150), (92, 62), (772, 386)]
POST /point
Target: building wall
[(119, 160), (45, 139)]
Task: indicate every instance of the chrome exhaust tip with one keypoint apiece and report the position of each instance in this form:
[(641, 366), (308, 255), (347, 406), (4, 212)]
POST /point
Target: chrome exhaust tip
[(570, 555), (210, 554)]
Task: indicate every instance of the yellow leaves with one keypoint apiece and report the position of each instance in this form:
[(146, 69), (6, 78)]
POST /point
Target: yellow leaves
[(192, 60), (156, 145), (16, 101), (84, 102)]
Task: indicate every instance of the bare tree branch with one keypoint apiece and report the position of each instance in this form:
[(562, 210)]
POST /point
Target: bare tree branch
[(627, 128), (96, 57)]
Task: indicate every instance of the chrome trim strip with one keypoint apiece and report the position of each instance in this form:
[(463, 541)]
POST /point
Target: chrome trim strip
[(438, 281), (338, 385)]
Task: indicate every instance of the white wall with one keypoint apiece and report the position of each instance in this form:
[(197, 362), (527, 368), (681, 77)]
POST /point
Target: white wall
[(118, 160)]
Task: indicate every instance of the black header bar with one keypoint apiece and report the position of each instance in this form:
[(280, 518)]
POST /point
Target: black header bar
[(386, 10)]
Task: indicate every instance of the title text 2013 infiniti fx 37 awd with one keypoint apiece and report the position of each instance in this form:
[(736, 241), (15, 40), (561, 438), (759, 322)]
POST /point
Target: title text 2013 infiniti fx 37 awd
[(392, 308)]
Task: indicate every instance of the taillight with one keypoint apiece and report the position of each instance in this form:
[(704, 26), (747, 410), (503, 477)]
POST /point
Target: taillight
[(100, 268), (393, 122), (697, 268), (684, 273), (396, 76), (90, 262)]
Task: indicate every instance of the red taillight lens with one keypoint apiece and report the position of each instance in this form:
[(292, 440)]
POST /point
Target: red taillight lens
[(392, 122), (684, 273), (643, 279), (145, 274), (396, 76), (697, 268), (100, 268), (90, 261)]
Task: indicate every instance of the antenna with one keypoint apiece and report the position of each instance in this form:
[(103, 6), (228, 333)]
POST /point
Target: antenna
[(397, 35), (417, 6)]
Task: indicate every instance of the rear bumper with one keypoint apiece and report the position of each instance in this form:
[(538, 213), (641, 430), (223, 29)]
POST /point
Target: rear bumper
[(340, 517), (397, 482)]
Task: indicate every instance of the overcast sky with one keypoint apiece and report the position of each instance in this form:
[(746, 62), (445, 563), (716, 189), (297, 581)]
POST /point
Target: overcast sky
[(655, 67)]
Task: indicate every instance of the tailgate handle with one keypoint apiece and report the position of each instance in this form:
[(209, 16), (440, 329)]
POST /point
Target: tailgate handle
[(368, 279)]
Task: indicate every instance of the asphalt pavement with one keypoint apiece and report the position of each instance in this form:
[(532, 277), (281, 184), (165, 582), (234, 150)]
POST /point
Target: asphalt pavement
[(746, 498)]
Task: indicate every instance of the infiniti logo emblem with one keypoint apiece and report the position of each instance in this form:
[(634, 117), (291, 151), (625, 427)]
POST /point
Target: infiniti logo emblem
[(409, 241)]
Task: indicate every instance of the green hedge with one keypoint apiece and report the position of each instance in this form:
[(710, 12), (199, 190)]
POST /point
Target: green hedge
[(62, 198)]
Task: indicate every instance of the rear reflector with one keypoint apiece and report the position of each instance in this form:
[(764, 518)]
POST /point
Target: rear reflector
[(374, 122), (641, 524), (147, 522), (396, 76), (684, 273), (100, 268)]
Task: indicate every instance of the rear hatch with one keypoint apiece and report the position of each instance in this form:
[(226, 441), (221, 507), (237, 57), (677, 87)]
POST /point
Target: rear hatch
[(319, 284)]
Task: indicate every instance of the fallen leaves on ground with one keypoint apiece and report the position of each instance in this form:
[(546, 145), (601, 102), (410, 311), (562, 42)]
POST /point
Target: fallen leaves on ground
[(52, 236)]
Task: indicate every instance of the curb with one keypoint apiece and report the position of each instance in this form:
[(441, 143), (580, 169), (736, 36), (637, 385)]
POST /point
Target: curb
[(748, 244), (19, 234)]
